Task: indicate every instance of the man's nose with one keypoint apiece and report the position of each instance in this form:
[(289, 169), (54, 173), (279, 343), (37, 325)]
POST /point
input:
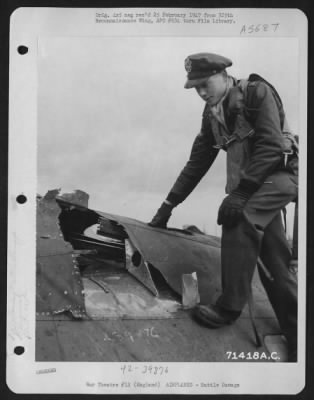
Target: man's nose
[(203, 93)]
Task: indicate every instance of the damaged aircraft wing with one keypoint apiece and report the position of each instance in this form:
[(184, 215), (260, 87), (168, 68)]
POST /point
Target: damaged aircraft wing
[(172, 252), (87, 262)]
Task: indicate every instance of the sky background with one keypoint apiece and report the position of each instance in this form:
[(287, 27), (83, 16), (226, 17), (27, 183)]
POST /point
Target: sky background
[(115, 121)]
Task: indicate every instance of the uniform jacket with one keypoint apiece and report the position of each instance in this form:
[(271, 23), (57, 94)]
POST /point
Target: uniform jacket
[(259, 155)]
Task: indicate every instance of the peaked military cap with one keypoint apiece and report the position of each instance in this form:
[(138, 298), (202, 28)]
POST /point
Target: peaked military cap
[(203, 65)]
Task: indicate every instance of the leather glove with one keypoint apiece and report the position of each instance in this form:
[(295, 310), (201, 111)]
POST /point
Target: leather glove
[(162, 216), (231, 209)]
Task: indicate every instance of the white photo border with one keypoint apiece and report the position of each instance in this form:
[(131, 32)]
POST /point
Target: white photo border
[(28, 25)]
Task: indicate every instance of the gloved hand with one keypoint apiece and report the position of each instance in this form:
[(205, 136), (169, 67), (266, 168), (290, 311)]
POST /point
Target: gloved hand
[(162, 216), (231, 209)]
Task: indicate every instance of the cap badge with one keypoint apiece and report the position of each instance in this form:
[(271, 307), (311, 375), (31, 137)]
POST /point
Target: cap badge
[(188, 65)]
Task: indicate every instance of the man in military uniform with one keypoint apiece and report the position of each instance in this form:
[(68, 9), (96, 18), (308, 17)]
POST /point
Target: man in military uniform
[(246, 119)]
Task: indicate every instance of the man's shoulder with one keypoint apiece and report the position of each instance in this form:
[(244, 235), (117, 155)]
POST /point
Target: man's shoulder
[(253, 88), (256, 88), (258, 92)]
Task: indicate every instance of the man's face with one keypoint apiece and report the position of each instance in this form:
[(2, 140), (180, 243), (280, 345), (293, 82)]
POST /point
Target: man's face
[(212, 89)]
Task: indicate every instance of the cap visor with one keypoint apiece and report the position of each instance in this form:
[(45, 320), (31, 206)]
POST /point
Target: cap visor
[(190, 83)]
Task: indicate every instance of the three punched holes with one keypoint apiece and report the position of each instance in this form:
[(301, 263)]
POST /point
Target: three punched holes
[(21, 199)]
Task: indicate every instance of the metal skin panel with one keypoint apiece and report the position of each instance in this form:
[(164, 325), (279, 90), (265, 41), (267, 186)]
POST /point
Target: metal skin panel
[(146, 340), (173, 252), (116, 294), (139, 268), (59, 286)]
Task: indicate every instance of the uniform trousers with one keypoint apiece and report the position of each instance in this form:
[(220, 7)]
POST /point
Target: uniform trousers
[(261, 234)]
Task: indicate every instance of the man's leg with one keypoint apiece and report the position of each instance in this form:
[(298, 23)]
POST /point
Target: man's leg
[(241, 246), (282, 289)]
